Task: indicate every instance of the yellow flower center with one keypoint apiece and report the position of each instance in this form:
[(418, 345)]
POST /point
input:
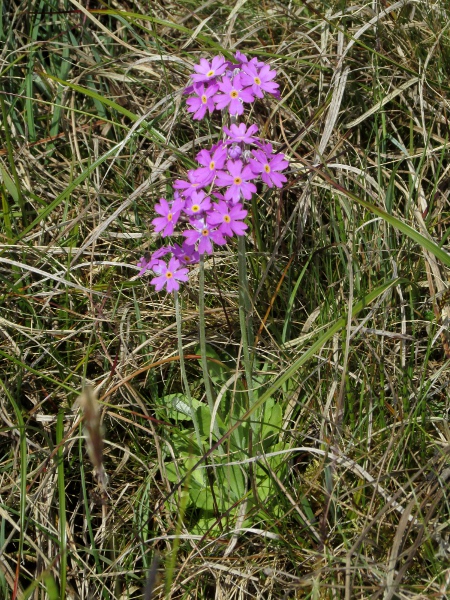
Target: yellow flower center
[(204, 99), (237, 180), (212, 165), (195, 208), (186, 258), (257, 80), (169, 274), (234, 94), (267, 168), (205, 232), (210, 73), (169, 217), (227, 218)]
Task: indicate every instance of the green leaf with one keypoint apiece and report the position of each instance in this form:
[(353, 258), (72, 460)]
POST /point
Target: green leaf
[(202, 498), (9, 184), (231, 479), (51, 587), (176, 406), (204, 420), (272, 420), (218, 371), (184, 465), (94, 95)]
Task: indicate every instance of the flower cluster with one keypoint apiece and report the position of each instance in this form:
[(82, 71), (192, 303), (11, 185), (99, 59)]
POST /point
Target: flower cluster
[(209, 203)]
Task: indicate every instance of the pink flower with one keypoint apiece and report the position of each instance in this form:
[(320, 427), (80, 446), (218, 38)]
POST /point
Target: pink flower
[(169, 275), (233, 95), (238, 179), (203, 101), (266, 147), (240, 133), (269, 166), (228, 169), (204, 234), (260, 80), (187, 187), (148, 262), (235, 151), (197, 204), (206, 71), (212, 161), (170, 215), (186, 254), (144, 264), (243, 60), (228, 219)]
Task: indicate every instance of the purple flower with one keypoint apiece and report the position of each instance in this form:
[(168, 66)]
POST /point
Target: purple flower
[(235, 151), (240, 58), (219, 196), (206, 71), (186, 254), (204, 234), (238, 179), (240, 133), (197, 204), (169, 275), (203, 101), (229, 219), (149, 262), (233, 95), (260, 80), (243, 60), (212, 161), (170, 215), (269, 166), (228, 169), (187, 187), (144, 264), (266, 147)]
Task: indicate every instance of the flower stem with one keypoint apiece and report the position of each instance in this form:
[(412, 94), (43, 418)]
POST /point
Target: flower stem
[(245, 319), (204, 360), (183, 371)]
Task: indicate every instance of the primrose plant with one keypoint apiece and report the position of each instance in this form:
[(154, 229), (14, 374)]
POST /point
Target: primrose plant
[(209, 204), (206, 210)]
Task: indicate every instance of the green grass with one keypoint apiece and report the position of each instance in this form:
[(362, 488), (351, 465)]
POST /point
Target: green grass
[(279, 430)]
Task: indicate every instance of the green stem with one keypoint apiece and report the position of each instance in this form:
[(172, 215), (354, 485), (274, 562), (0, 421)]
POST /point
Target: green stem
[(183, 371), (204, 359), (245, 319)]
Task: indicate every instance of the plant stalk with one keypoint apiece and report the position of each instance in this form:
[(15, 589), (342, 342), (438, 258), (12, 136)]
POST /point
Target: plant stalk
[(183, 371)]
